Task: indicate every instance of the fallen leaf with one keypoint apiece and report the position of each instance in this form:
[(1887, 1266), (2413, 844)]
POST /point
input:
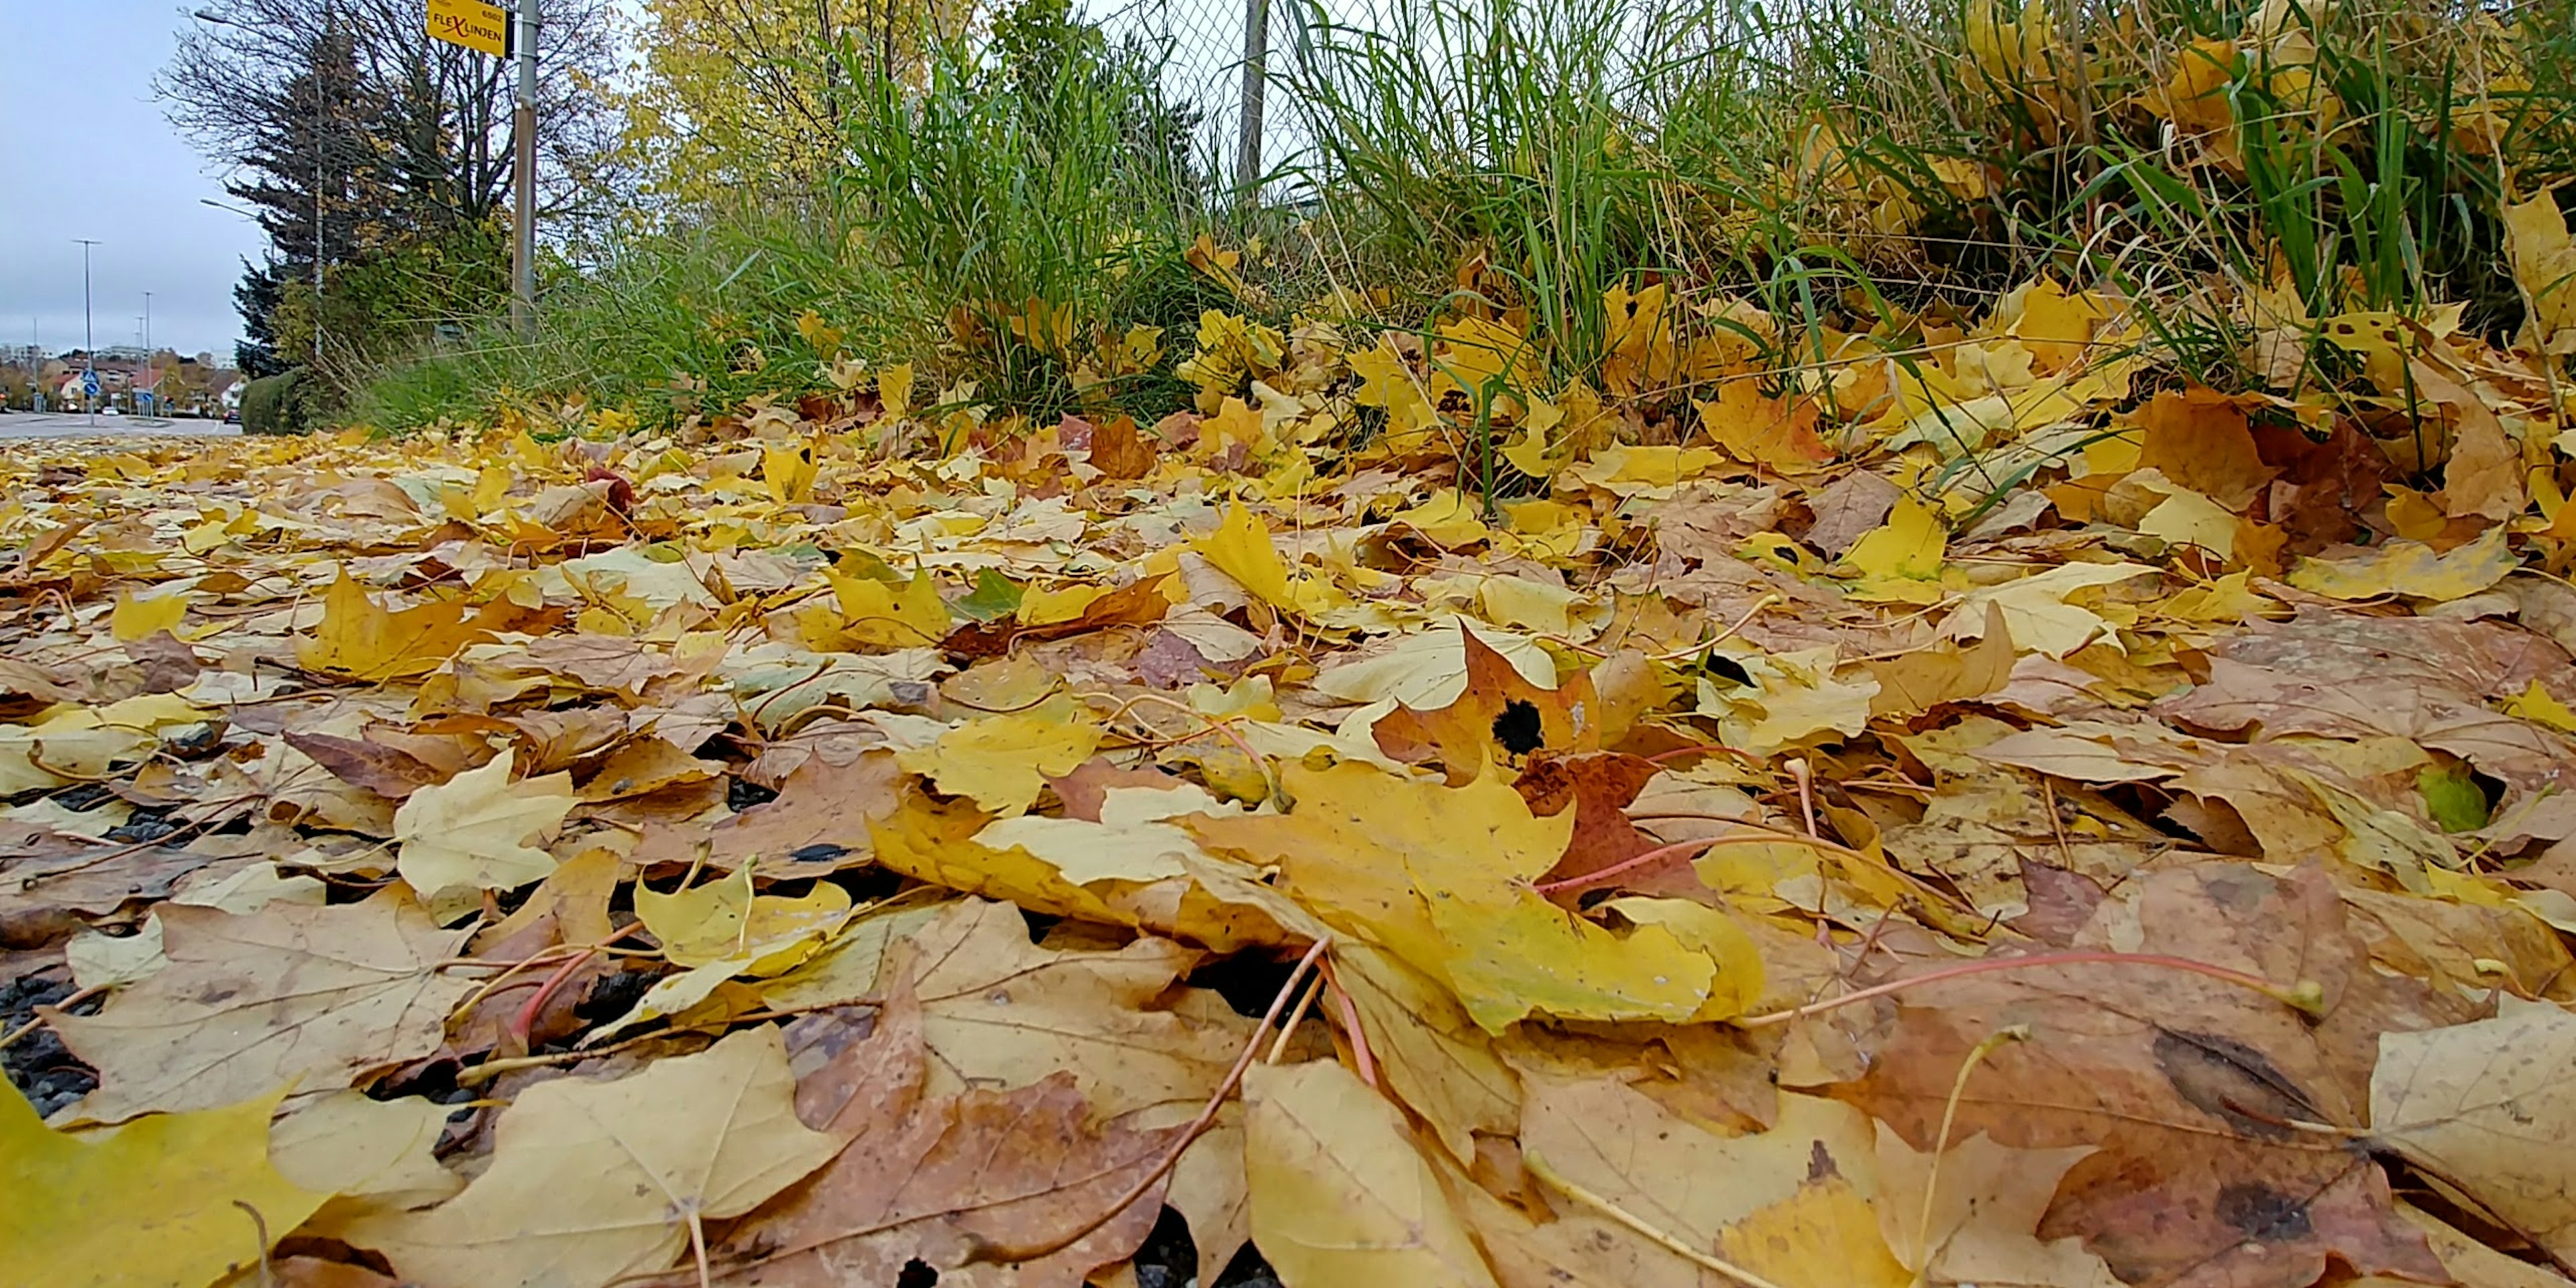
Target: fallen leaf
[(1498, 719), (159, 1202), (725, 922), (371, 1156), (1000, 1013), (977, 1187), (1438, 875), (2409, 568), (2179, 1082), (1974, 1220), (592, 1180), (361, 638), (1003, 762), (1339, 1194), (2483, 1106), (308, 997), (471, 832)]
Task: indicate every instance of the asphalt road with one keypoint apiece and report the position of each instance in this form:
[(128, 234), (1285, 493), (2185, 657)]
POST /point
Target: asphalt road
[(20, 424)]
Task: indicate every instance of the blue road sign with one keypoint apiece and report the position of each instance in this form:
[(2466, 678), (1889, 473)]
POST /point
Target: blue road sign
[(89, 383)]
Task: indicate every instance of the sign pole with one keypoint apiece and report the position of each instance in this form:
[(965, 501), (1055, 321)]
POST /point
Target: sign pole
[(89, 338), (523, 176)]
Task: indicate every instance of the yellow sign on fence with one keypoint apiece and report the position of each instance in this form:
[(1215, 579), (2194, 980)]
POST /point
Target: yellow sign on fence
[(473, 24)]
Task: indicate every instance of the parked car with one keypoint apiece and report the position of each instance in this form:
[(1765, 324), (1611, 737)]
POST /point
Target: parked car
[(233, 417)]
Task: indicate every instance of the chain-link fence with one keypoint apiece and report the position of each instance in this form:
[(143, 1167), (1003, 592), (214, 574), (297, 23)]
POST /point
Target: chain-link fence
[(1223, 58)]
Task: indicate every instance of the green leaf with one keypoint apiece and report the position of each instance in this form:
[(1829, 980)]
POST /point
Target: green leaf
[(2455, 801), (994, 597)]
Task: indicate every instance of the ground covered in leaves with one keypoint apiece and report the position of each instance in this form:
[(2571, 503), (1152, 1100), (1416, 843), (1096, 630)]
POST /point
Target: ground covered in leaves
[(1972, 814)]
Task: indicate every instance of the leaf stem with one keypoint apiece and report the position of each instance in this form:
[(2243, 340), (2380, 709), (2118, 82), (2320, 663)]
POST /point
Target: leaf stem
[(82, 995), (1189, 1134), (1556, 1180), (2306, 997), (1941, 1144)]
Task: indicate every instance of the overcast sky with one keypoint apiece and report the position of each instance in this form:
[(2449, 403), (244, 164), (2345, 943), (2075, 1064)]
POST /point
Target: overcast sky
[(84, 153)]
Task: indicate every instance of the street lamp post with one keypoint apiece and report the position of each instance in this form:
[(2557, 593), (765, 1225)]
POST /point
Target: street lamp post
[(89, 339)]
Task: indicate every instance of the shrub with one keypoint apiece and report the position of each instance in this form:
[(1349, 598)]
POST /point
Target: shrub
[(279, 405)]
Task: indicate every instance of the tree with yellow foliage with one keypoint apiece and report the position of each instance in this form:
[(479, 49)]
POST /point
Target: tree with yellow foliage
[(746, 96)]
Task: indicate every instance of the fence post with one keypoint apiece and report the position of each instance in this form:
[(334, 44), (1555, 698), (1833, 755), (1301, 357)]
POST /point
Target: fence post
[(1256, 83)]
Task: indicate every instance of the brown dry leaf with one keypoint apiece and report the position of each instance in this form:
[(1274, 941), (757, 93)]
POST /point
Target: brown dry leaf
[(2179, 1082), (815, 825), (2487, 1107), (2199, 439), (389, 772), (2347, 676), (979, 1187), (592, 1180), (312, 998), (1000, 1013)]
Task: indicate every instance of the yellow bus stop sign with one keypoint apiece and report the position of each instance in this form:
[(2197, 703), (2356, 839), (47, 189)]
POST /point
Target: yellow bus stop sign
[(473, 24)]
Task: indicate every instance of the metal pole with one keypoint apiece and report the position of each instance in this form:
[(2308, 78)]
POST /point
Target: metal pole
[(89, 337), (150, 367), (523, 176), (1256, 81)]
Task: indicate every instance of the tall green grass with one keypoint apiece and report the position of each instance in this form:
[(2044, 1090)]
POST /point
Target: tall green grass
[(1528, 134), (697, 317), (1033, 201)]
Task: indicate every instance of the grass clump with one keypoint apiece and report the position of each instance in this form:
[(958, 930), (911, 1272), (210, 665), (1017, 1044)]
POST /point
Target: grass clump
[(700, 316), (1032, 204)]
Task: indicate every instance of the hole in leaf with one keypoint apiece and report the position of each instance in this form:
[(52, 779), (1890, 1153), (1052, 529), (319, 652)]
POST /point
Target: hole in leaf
[(1517, 728)]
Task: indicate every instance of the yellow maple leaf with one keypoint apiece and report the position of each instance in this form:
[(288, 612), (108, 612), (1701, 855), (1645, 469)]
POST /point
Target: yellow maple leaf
[(894, 390), (2540, 706), (2544, 266), (1899, 561), (1441, 877), (1476, 358), (878, 615), (1823, 1236), (2409, 568), (722, 922), (1002, 762), (1336, 1190), (1778, 434), (359, 637), (1240, 548), (788, 472), (138, 616), (159, 1202)]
